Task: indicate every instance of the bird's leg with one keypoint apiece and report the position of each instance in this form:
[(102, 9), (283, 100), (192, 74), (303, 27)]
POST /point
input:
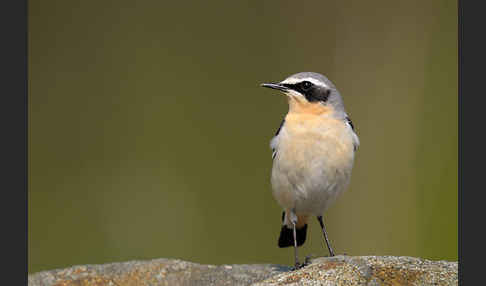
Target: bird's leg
[(331, 252), (297, 264)]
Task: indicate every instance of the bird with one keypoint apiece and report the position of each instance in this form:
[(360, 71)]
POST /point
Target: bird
[(313, 154)]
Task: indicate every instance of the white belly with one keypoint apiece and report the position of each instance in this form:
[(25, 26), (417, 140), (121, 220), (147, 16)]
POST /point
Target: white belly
[(312, 166)]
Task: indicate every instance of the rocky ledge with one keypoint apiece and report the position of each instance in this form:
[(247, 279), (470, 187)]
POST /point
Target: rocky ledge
[(337, 270)]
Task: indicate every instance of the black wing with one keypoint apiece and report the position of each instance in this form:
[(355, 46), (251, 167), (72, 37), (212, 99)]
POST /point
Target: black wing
[(280, 127), (350, 122), (274, 152)]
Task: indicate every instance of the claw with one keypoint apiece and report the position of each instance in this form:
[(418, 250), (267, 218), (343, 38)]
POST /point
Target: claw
[(297, 266)]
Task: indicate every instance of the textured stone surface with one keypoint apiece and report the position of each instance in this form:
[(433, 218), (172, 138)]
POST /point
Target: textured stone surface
[(338, 270), (155, 272), (369, 270)]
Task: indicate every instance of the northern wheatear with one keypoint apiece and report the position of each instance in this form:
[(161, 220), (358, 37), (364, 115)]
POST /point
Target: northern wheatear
[(313, 154)]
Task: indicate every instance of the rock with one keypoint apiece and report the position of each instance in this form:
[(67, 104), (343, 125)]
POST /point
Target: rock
[(155, 272), (338, 270), (369, 270)]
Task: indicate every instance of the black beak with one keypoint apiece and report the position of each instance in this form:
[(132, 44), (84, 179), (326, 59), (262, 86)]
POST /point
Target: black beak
[(276, 86)]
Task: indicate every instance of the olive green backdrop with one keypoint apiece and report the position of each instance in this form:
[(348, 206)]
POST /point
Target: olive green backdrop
[(149, 133)]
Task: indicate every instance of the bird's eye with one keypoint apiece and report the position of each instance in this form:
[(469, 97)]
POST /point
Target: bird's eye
[(306, 85)]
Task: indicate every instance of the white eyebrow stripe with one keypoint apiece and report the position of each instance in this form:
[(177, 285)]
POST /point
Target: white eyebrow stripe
[(296, 80)]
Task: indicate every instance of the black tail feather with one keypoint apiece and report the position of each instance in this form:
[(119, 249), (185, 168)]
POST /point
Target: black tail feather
[(286, 237)]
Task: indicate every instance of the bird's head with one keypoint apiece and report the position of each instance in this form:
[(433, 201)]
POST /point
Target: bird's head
[(309, 92)]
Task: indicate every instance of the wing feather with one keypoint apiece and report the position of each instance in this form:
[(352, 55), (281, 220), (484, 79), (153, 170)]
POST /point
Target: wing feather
[(273, 143), (355, 137)]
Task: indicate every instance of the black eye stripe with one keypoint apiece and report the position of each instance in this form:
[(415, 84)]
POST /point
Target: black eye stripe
[(312, 93), (300, 87)]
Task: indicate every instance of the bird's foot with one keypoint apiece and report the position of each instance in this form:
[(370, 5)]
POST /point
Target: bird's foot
[(297, 266), (307, 261)]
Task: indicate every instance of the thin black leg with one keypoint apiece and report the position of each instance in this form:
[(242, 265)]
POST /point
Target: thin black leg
[(331, 252)]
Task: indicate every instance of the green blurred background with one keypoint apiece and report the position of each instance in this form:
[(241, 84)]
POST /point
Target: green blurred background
[(149, 133)]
